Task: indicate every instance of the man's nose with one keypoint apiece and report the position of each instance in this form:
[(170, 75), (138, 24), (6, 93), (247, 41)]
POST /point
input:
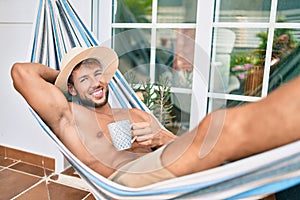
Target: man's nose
[(95, 82)]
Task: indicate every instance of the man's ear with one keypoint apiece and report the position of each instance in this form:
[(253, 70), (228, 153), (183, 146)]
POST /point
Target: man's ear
[(71, 89)]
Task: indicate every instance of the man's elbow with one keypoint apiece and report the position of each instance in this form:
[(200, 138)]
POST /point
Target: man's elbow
[(17, 73)]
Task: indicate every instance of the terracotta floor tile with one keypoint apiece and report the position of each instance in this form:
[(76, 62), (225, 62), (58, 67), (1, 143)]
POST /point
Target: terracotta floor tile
[(55, 191), (65, 192), (270, 197), (71, 172), (38, 192), (13, 183), (90, 197), (2, 150), (30, 158), (6, 161), (31, 169)]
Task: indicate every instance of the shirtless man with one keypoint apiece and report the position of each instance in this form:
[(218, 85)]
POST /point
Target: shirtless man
[(81, 124)]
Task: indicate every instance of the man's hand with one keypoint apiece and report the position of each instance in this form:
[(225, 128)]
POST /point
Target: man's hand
[(147, 136)]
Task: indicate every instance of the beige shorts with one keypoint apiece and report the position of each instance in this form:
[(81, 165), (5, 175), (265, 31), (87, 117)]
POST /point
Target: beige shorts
[(142, 171)]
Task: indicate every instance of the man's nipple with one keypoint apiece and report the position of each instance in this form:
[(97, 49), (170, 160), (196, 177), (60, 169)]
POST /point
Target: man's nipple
[(99, 134)]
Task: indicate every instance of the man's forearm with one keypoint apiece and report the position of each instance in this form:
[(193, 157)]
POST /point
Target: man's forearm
[(29, 71), (47, 73)]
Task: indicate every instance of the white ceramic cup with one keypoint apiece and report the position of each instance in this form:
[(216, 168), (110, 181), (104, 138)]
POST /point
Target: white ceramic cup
[(120, 133)]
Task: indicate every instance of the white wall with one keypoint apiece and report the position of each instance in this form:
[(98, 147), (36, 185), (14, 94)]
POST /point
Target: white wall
[(18, 129)]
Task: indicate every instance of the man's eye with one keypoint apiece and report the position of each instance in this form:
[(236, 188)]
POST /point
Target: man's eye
[(82, 80), (98, 74)]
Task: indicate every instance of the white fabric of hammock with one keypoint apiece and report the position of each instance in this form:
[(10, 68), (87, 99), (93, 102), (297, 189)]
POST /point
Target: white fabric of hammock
[(57, 29)]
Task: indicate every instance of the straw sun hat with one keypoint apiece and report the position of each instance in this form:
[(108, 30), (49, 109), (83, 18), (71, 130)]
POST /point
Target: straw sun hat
[(105, 55)]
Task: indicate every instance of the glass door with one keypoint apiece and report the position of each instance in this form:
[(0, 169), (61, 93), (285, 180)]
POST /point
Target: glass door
[(254, 49), (155, 40)]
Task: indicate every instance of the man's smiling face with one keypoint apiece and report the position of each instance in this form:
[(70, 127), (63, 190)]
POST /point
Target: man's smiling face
[(89, 85)]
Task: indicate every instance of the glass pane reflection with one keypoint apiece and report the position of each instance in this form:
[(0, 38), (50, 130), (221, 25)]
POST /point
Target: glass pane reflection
[(242, 11), (217, 104), (238, 61), (132, 11), (175, 56), (285, 64), (181, 111), (177, 11), (133, 49), (288, 11)]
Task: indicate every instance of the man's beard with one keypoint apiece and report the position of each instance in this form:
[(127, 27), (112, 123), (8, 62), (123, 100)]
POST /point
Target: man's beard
[(90, 103)]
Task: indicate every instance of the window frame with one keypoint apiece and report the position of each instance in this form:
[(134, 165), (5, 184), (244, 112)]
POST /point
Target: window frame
[(270, 26), (103, 31), (203, 49)]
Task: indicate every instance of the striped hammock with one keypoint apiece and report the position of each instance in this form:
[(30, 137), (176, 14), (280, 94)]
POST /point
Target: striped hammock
[(57, 29)]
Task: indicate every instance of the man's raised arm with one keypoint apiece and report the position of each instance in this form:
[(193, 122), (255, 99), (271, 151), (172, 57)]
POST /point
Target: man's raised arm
[(35, 83)]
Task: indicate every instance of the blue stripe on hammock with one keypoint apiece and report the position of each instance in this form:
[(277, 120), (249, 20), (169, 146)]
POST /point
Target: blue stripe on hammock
[(67, 24), (269, 189), (57, 45), (112, 189), (36, 32), (180, 190), (71, 14), (121, 101), (120, 78), (275, 168), (91, 37), (175, 190)]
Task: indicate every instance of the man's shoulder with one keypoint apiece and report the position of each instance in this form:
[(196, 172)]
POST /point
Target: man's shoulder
[(132, 111), (139, 112)]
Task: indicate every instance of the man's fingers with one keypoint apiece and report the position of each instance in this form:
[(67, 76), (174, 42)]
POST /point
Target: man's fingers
[(144, 137), (145, 143), (141, 132), (139, 125)]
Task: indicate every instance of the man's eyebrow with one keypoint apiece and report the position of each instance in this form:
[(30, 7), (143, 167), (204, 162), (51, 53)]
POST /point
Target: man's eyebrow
[(83, 76), (99, 70)]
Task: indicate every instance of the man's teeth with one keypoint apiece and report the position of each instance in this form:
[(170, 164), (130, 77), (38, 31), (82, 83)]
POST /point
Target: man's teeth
[(97, 93)]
